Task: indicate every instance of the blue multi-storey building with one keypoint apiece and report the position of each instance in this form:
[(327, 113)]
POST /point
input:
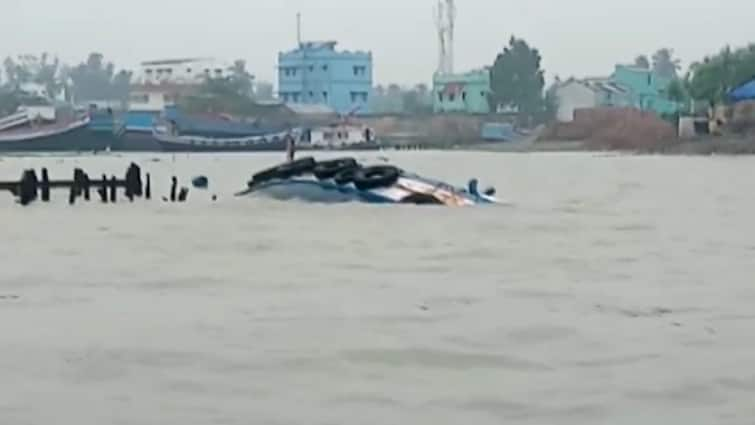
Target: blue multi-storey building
[(316, 73)]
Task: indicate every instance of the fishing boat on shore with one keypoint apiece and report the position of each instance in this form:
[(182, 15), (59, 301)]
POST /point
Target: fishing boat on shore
[(264, 141), (346, 180), (40, 125), (180, 132)]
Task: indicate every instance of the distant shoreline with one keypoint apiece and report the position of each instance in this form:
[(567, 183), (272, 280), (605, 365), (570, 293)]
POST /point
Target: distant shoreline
[(700, 147)]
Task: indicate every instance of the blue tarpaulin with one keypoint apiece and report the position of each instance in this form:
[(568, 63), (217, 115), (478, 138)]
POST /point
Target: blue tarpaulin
[(744, 92)]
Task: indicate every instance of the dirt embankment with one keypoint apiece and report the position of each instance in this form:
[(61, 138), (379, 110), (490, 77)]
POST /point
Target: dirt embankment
[(429, 130), (615, 129)]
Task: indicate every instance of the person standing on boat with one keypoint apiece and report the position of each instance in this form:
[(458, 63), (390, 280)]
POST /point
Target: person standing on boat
[(290, 148)]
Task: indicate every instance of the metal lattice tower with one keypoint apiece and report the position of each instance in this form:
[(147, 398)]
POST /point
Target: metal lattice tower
[(446, 22)]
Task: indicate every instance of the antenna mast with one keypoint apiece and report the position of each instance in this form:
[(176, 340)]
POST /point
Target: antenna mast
[(446, 22), (298, 28), (451, 10)]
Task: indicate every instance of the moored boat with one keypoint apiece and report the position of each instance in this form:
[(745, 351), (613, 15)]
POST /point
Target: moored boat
[(48, 128), (272, 141)]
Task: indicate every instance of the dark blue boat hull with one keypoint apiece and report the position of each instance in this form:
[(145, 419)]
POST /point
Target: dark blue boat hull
[(136, 141), (272, 146), (81, 139)]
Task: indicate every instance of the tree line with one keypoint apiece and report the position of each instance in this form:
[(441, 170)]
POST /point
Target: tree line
[(709, 80), (97, 79), (92, 79)]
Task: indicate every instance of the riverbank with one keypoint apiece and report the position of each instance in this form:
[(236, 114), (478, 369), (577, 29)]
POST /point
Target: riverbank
[(703, 146)]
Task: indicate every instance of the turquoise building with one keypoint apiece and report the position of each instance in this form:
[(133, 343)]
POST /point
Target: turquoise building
[(467, 93), (647, 90), (317, 73)]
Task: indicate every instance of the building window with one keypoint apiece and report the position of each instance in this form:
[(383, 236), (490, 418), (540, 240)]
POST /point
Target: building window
[(139, 98), (325, 96), (311, 68), (440, 97), (148, 71), (325, 68), (360, 71), (451, 97), (295, 97), (464, 96), (357, 96), (311, 95), (188, 70)]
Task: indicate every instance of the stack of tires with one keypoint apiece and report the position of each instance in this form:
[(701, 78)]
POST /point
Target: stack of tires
[(343, 171)]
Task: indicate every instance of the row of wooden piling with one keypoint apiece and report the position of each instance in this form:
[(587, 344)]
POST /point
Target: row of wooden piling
[(31, 188)]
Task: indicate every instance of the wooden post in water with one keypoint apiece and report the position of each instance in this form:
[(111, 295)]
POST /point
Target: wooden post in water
[(102, 191), (113, 190), (173, 187), (45, 186), (148, 188)]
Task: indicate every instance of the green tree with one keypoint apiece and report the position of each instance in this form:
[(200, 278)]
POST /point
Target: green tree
[(48, 74), (43, 70), (9, 102), (715, 76), (677, 91), (96, 79), (264, 91), (241, 79), (517, 80), (417, 101), (18, 71), (642, 61), (665, 65), (220, 95)]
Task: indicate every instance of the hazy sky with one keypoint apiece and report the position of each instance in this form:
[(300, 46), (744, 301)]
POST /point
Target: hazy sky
[(575, 37)]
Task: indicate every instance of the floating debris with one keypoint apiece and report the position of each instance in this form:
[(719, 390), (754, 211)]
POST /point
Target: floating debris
[(200, 182)]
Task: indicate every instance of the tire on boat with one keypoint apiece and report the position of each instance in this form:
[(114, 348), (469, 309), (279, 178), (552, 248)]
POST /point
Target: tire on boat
[(376, 177), (346, 176), (286, 170), (328, 169)]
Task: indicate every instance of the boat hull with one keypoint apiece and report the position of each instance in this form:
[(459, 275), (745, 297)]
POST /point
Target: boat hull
[(136, 141), (272, 146), (76, 139), (309, 189)]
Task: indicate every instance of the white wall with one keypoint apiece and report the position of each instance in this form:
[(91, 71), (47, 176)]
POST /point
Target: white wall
[(186, 72), (150, 100), (338, 135), (572, 96)]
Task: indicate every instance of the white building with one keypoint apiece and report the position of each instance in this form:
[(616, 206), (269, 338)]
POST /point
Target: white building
[(341, 135), (587, 93), (159, 83)]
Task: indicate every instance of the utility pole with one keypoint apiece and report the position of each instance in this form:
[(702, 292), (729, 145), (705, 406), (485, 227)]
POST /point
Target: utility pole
[(298, 28)]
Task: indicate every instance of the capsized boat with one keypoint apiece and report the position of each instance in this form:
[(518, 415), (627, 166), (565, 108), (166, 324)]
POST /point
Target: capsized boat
[(346, 180)]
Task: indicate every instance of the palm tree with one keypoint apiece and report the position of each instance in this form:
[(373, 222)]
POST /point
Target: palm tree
[(665, 65)]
